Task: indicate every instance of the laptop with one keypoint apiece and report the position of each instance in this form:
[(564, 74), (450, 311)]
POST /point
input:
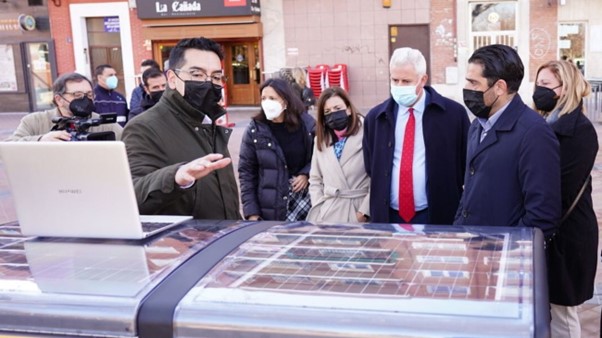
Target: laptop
[(77, 189), (88, 268)]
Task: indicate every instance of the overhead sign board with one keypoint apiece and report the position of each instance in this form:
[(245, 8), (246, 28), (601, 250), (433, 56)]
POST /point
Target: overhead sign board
[(169, 9)]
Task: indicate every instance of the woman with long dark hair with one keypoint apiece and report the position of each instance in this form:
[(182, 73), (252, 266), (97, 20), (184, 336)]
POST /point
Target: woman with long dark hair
[(275, 156), (338, 183)]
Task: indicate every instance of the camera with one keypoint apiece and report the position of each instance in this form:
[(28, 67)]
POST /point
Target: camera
[(78, 127)]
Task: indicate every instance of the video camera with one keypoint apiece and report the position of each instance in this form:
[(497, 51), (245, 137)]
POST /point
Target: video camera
[(78, 127)]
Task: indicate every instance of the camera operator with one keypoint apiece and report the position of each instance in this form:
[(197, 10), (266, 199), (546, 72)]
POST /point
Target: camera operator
[(72, 91)]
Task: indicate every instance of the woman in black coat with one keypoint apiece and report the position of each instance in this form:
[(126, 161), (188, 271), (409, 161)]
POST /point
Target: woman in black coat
[(275, 157), (572, 252)]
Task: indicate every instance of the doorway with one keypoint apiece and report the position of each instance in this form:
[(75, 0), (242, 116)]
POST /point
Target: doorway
[(104, 42), (242, 67), (413, 36), (40, 72), (244, 72)]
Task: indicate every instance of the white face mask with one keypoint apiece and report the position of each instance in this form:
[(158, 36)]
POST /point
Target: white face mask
[(404, 95), (271, 108)]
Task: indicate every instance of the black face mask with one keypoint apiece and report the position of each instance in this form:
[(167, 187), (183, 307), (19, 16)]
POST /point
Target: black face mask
[(545, 99), (156, 96), (475, 102), (337, 120), (204, 96), (82, 107)]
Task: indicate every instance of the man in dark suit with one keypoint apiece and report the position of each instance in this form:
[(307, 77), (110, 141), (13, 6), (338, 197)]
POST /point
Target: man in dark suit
[(414, 148), (512, 169)]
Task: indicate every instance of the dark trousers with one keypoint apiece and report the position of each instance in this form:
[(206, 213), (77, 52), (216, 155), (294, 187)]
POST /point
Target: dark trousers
[(421, 217)]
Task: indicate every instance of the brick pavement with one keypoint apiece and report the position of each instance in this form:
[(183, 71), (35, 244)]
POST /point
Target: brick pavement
[(589, 312)]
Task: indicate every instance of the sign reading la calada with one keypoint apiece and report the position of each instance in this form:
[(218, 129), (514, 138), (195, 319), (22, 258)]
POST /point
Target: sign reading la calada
[(164, 9)]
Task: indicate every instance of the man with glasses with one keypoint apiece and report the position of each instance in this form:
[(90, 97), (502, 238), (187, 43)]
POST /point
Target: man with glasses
[(178, 155), (72, 91)]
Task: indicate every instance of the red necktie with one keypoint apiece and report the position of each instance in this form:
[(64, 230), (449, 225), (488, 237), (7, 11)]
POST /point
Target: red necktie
[(406, 186)]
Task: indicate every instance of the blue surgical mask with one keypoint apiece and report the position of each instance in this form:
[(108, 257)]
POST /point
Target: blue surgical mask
[(112, 82), (404, 95)]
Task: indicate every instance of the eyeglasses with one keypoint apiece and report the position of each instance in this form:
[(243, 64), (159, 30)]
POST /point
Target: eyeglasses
[(79, 95), (201, 76)]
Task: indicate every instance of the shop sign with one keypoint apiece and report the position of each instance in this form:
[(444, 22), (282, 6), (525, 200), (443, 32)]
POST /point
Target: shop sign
[(111, 24), (165, 9)]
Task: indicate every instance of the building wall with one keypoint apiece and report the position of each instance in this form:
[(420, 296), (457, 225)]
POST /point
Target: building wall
[(543, 35), (355, 32), (142, 49), (352, 32), (62, 33)]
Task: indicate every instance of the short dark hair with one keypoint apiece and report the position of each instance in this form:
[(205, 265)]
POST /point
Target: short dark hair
[(500, 62), (176, 56), (294, 106), (151, 73), (59, 87), (149, 63), (101, 68)]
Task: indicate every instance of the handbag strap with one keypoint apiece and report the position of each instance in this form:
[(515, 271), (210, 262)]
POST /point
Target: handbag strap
[(574, 204)]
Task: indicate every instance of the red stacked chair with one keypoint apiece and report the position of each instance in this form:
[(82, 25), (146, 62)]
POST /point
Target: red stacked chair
[(317, 78), (337, 76)]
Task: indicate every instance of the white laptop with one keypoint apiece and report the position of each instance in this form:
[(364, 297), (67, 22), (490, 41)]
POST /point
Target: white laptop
[(77, 189)]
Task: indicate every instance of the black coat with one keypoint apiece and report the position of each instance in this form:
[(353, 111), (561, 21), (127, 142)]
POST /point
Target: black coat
[(262, 170), (572, 253), (445, 125)]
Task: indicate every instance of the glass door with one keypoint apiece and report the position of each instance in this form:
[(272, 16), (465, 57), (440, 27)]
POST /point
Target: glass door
[(243, 70), (40, 74)]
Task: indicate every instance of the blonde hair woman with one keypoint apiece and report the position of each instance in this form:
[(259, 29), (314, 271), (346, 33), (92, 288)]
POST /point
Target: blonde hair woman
[(572, 252)]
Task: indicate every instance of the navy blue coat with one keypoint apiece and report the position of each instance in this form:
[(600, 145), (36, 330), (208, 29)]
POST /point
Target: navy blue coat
[(110, 101), (263, 173), (513, 176), (445, 126)]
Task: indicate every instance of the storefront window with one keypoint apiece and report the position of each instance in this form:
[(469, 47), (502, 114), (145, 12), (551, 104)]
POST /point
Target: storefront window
[(571, 43), (8, 76), (493, 23), (40, 75)]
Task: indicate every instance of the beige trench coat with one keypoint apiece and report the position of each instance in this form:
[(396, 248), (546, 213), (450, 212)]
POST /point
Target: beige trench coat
[(338, 189)]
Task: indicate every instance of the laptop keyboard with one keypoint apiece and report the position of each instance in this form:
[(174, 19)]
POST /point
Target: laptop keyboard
[(153, 226)]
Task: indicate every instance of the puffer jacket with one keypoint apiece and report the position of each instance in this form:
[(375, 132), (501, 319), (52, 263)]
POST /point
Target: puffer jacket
[(263, 173)]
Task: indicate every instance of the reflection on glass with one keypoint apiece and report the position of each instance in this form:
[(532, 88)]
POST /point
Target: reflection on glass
[(240, 64), (426, 263), (165, 51), (79, 268), (40, 74), (572, 43)]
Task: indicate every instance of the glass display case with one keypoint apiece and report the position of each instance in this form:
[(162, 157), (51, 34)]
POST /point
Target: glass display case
[(373, 280), (271, 279)]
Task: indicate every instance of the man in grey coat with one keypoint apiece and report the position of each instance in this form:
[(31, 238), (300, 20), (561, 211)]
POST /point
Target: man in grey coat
[(70, 91), (178, 156)]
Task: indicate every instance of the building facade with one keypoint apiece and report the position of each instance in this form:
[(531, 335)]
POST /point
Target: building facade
[(27, 64), (261, 37)]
